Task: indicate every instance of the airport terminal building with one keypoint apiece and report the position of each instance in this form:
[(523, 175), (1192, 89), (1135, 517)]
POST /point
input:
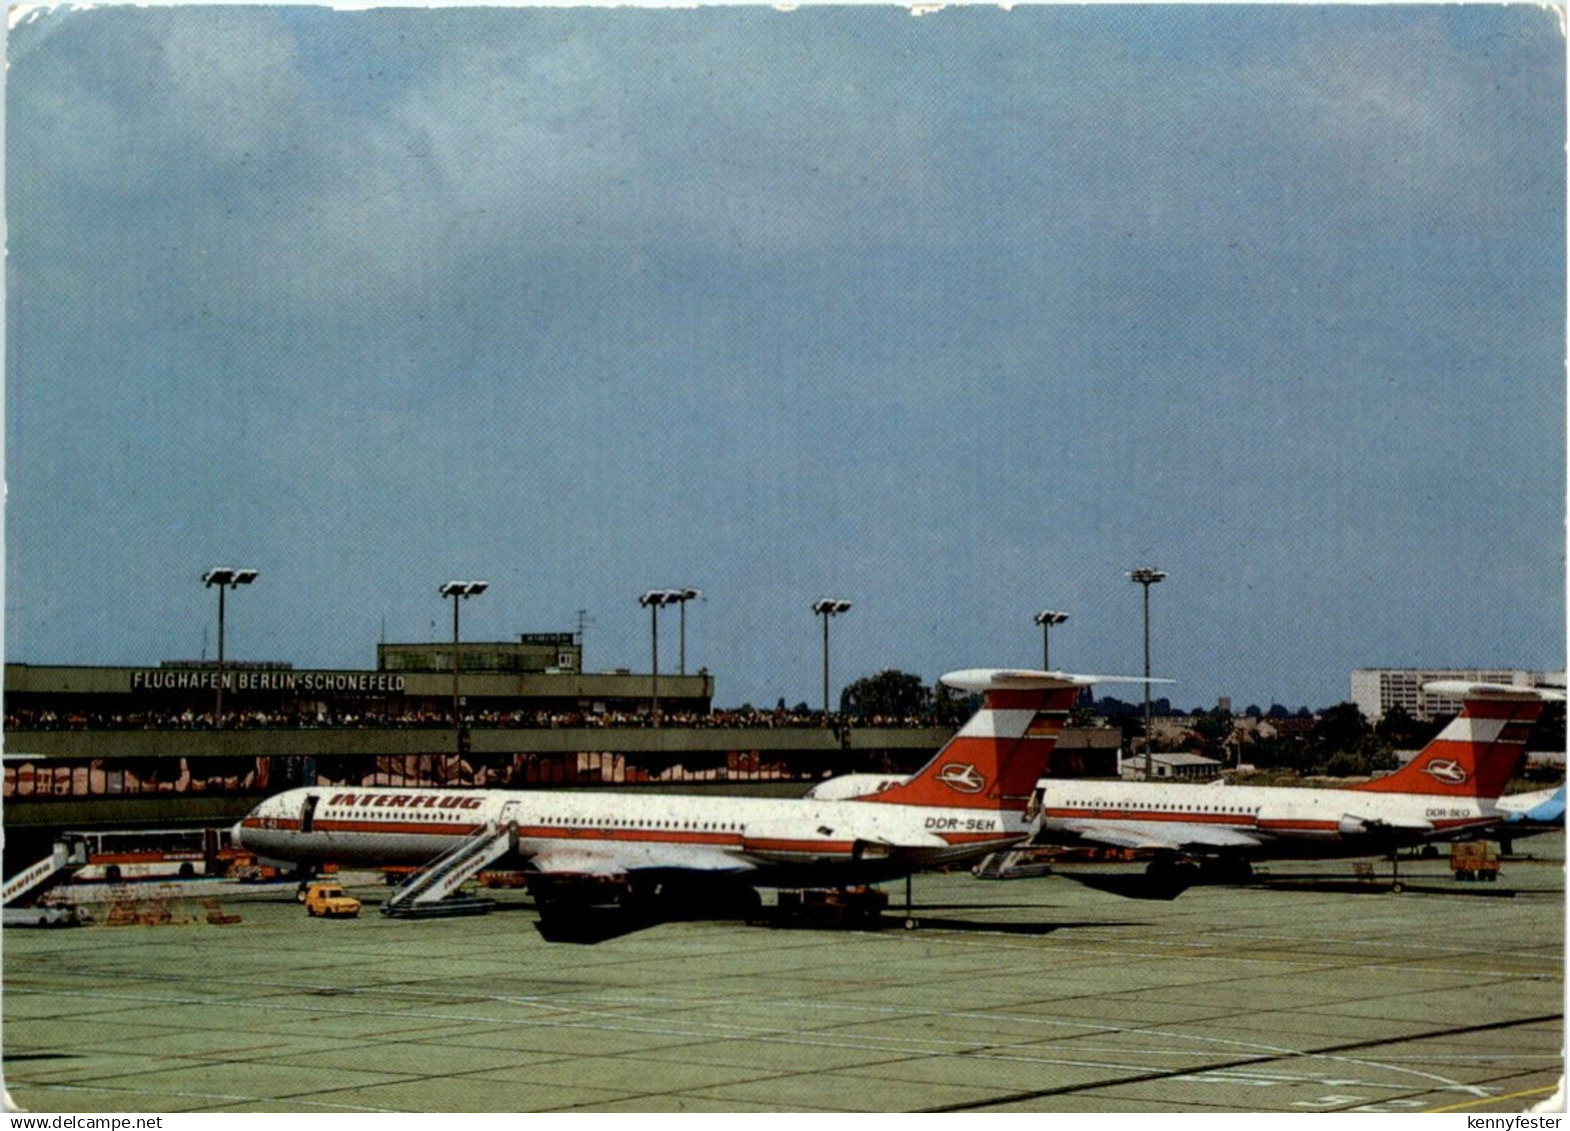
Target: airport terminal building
[(89, 746), (540, 674)]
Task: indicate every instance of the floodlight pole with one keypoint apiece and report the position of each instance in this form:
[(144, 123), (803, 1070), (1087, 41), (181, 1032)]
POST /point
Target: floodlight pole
[(681, 597), (224, 578), (218, 708), (459, 591), (826, 608), (1046, 619), (825, 665), (456, 600), (654, 598), (654, 662), (1149, 754), (1147, 577)]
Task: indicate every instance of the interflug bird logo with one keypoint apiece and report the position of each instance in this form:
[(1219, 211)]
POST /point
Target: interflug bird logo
[(962, 776), (1446, 770)]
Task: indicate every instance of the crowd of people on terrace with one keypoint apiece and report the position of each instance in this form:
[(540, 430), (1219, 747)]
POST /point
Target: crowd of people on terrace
[(313, 717)]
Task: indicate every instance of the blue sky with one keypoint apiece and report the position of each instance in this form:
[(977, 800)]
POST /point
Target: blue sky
[(957, 316)]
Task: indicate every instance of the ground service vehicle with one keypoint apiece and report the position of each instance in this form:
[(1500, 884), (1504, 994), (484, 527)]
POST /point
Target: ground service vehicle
[(1474, 860), (331, 901)]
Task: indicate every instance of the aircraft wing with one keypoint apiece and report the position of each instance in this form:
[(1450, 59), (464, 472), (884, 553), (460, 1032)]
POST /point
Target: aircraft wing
[(1174, 835), (619, 859)]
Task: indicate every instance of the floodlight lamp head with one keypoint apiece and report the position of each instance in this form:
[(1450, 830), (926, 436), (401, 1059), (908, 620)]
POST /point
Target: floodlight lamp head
[(1146, 576), (829, 607), (229, 576), (1050, 616)]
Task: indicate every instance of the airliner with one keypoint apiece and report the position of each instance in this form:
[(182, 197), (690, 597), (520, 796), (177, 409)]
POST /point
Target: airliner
[(1542, 809), (1449, 790), (967, 802), (1527, 814)]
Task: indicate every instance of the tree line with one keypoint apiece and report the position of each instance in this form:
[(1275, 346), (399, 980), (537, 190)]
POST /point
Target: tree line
[(1335, 741)]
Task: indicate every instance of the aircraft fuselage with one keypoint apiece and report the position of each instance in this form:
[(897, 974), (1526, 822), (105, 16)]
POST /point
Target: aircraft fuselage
[(767, 841), (1285, 821)]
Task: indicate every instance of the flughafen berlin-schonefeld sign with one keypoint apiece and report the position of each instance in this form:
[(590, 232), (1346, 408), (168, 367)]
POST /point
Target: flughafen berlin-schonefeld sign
[(336, 683)]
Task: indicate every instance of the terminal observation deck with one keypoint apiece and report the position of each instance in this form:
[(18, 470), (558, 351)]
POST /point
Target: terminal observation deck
[(58, 776), (187, 741)]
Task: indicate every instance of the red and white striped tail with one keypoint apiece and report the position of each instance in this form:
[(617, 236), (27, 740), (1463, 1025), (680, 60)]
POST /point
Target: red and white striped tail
[(994, 760), (1478, 752)]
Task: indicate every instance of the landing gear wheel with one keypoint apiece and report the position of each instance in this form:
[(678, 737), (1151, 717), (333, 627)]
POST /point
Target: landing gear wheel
[(1397, 888), (1225, 870), (1169, 877), (911, 924)]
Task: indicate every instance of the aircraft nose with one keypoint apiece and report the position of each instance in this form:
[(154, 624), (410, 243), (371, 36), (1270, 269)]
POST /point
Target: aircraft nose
[(237, 833)]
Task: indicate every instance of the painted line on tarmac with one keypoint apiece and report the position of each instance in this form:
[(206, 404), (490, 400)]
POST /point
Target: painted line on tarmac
[(1495, 1099), (1263, 1053), (1485, 1058), (1252, 1061), (216, 1096), (708, 1031), (704, 1031), (1553, 963), (1298, 940), (577, 1012)]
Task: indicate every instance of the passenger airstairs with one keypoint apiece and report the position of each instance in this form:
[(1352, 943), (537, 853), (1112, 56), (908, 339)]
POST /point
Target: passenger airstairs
[(430, 890), (65, 855), (1010, 864)]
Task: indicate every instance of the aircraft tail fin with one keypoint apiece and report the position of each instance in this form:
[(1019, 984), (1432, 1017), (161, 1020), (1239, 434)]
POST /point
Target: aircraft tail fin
[(995, 759), (1476, 754)]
